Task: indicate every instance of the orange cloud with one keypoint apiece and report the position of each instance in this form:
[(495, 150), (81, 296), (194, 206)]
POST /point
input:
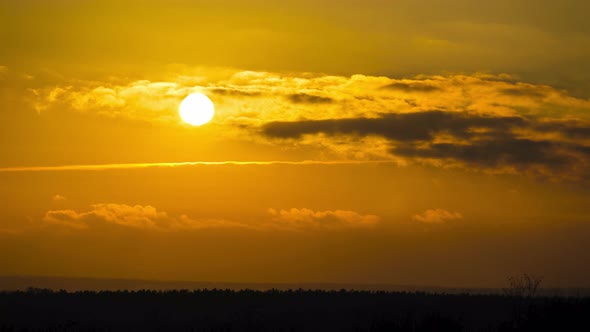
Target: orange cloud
[(66, 218), (445, 121), (306, 219), (144, 217), (436, 216), (58, 198), (254, 98), (147, 217)]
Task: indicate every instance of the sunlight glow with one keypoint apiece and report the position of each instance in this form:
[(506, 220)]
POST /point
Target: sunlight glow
[(196, 109)]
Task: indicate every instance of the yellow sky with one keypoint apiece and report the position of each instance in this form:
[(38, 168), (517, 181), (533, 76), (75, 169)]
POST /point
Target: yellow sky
[(410, 142)]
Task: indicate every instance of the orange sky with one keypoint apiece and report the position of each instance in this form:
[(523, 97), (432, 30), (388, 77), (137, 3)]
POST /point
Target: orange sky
[(410, 142)]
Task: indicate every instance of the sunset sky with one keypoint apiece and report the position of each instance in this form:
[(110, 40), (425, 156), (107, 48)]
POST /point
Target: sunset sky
[(424, 142)]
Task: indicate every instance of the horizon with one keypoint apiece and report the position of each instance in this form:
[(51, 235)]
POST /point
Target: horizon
[(82, 284)]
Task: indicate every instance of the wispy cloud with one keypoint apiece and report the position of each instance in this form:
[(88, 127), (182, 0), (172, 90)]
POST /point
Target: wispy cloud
[(102, 167)]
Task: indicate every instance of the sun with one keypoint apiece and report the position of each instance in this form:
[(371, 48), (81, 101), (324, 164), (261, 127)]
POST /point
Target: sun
[(196, 109)]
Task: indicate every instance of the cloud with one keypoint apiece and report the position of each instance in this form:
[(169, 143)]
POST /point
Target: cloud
[(515, 153), (145, 217), (104, 167), (412, 87), (58, 198), (304, 98), (289, 97), (67, 218), (470, 140), (307, 219), (235, 92), (523, 92), (400, 127), (140, 100), (445, 121), (436, 216)]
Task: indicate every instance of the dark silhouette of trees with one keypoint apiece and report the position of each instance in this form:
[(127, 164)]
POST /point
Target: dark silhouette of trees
[(522, 289), (524, 286), (275, 310)]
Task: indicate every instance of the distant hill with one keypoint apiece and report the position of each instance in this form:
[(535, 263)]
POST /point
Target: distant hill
[(8, 283)]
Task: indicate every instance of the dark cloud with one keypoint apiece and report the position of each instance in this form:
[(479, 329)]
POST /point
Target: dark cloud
[(411, 87), (304, 98), (472, 139), (418, 126), (523, 92), (236, 93), (507, 151), (570, 129), (411, 102)]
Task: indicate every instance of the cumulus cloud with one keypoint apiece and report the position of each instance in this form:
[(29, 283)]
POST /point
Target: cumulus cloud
[(306, 219), (436, 216), (144, 217)]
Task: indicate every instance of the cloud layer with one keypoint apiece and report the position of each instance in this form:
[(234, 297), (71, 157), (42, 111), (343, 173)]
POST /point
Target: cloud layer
[(479, 122), (147, 217), (138, 217), (550, 148)]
